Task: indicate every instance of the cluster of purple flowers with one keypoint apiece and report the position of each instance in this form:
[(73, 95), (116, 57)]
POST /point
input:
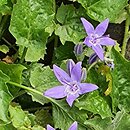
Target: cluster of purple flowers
[(71, 81)]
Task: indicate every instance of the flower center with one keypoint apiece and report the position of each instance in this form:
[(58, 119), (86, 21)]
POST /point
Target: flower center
[(94, 39), (73, 88)]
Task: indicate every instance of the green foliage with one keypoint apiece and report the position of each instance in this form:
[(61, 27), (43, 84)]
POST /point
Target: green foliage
[(43, 117), (64, 52), (102, 9), (120, 122), (19, 118), (7, 127), (121, 82), (6, 7), (22, 120), (41, 26), (69, 27), (4, 48), (45, 80), (5, 97), (64, 116), (97, 123), (14, 71), (2, 2), (8, 72), (94, 103), (28, 22)]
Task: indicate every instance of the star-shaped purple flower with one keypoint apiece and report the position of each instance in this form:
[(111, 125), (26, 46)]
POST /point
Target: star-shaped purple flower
[(71, 87), (95, 38), (72, 127)]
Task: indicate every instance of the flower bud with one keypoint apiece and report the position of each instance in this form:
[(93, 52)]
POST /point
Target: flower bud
[(92, 58), (78, 49), (83, 74)]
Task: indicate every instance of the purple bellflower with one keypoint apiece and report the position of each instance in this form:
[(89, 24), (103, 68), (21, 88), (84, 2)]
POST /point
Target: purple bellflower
[(95, 38), (72, 127), (71, 87)]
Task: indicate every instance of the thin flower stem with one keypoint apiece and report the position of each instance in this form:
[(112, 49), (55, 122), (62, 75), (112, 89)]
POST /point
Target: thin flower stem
[(24, 87), (55, 46), (9, 43), (126, 34), (32, 90), (23, 55), (93, 64)]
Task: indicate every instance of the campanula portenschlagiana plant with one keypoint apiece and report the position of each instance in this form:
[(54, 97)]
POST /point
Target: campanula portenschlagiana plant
[(71, 87), (72, 127), (95, 38)]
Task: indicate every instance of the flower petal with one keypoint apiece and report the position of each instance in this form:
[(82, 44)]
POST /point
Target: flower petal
[(56, 92), (99, 51), (70, 65), (76, 72), (61, 75), (87, 87), (102, 27), (50, 127), (87, 41), (87, 26), (107, 41), (70, 99), (74, 126)]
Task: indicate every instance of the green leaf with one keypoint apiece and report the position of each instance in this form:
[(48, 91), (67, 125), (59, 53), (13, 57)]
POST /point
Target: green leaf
[(95, 77), (2, 2), (121, 82), (70, 27), (18, 117), (45, 80), (102, 9), (4, 49), (94, 123), (6, 7), (37, 127), (28, 23), (64, 116), (94, 103), (43, 117), (64, 52), (5, 97), (7, 127), (120, 122), (14, 72)]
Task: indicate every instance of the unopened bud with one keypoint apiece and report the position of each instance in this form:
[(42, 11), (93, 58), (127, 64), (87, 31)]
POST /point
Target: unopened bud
[(83, 74), (78, 49), (92, 58)]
